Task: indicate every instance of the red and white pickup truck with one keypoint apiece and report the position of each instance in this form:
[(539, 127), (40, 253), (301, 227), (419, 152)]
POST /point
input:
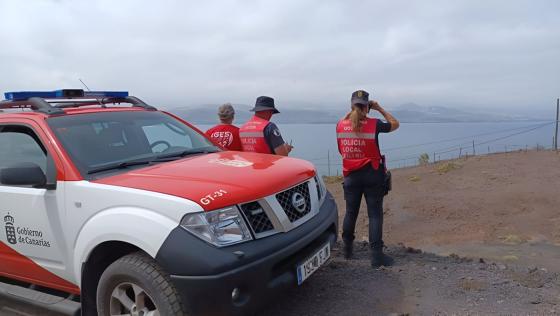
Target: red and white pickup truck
[(111, 207)]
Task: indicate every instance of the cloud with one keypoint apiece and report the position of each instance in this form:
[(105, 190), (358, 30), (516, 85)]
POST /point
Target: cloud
[(315, 53)]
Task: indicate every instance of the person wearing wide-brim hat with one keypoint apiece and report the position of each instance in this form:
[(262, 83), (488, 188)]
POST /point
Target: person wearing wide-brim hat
[(259, 134), (364, 171)]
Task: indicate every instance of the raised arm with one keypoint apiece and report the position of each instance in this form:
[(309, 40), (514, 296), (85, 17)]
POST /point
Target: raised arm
[(390, 118)]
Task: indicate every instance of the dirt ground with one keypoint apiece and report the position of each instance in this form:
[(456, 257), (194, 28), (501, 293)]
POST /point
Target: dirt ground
[(489, 232), (422, 284), (501, 207)]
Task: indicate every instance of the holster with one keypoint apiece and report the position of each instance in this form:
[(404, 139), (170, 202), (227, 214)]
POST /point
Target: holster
[(388, 180)]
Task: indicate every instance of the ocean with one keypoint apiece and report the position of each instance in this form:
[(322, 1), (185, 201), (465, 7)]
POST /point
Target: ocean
[(403, 147)]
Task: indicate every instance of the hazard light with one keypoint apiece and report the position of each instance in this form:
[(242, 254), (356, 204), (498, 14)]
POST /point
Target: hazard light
[(64, 93)]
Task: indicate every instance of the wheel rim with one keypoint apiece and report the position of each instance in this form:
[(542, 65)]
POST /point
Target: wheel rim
[(129, 299)]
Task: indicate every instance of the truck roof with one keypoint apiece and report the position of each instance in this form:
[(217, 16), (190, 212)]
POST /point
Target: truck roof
[(68, 102)]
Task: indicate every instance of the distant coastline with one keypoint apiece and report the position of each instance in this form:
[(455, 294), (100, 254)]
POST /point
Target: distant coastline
[(406, 113)]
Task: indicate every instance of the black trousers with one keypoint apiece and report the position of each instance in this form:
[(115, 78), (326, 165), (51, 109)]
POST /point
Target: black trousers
[(366, 182)]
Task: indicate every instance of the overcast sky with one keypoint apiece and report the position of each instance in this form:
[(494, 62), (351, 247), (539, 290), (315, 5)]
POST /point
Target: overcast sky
[(497, 54)]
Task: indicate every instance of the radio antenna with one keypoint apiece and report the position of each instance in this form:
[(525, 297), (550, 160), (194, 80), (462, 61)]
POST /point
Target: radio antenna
[(85, 85), (88, 89)]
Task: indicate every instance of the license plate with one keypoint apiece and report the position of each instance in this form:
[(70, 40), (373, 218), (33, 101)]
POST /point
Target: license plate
[(311, 264)]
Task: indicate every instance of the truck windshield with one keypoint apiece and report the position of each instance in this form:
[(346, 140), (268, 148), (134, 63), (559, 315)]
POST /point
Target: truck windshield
[(113, 141)]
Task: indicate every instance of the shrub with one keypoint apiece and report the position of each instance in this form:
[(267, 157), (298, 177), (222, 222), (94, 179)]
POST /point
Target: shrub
[(424, 159)]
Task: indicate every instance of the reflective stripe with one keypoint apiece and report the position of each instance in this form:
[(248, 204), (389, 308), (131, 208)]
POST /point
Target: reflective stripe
[(251, 134), (356, 135)]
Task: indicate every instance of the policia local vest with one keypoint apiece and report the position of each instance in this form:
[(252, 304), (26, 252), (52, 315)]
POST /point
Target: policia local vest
[(358, 149), (252, 136)]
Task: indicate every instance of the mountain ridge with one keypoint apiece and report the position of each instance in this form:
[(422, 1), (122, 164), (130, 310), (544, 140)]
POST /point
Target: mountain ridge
[(406, 113)]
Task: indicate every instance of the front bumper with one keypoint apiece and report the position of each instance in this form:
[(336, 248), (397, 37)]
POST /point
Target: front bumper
[(205, 276)]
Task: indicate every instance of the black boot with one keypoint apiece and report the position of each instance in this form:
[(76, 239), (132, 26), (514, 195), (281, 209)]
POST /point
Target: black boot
[(378, 258), (347, 249)]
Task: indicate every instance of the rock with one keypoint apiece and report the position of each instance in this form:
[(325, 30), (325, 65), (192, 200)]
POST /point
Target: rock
[(434, 268), (481, 260), (502, 266), (413, 250)]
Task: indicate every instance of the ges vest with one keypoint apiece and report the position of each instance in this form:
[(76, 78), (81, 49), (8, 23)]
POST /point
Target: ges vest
[(225, 136), (252, 136), (358, 149)]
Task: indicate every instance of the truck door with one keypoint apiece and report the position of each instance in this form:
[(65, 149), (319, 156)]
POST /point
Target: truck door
[(31, 237)]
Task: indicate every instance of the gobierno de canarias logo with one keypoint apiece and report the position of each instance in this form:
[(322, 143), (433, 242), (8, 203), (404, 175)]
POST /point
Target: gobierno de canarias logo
[(10, 229), (23, 235)]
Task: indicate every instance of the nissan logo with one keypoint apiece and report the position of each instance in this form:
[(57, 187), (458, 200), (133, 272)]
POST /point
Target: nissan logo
[(298, 202)]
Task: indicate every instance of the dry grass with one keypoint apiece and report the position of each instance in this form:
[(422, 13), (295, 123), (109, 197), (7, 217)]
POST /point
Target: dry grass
[(512, 239), (472, 285), (445, 167), (510, 258), (333, 179), (414, 178)]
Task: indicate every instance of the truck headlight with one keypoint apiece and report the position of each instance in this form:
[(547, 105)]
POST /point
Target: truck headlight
[(221, 227)]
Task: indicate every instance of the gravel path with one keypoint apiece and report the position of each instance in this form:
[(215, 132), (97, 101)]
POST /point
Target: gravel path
[(423, 284), (418, 284)]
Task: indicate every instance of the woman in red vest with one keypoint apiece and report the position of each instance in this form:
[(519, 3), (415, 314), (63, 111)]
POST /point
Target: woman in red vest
[(364, 171)]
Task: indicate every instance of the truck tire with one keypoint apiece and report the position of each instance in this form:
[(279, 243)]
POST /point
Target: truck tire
[(136, 285)]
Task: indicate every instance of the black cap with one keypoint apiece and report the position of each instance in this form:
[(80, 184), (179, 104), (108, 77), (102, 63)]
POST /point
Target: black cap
[(264, 103), (360, 97)]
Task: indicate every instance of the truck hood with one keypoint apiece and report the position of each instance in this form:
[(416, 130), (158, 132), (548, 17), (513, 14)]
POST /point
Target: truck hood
[(219, 179)]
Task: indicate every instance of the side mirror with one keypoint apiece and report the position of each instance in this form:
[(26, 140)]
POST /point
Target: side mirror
[(24, 174)]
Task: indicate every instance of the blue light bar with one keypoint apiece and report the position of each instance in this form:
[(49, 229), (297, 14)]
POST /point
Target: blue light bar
[(106, 94), (24, 95), (63, 94)]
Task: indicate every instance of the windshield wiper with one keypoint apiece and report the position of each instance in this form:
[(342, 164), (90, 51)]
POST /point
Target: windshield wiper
[(119, 165), (184, 153)]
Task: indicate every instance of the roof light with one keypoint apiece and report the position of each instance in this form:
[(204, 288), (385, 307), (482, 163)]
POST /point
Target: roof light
[(24, 95), (106, 94), (65, 93)]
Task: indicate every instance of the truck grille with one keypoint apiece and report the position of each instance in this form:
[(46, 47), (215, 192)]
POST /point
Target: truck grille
[(295, 201), (257, 218)]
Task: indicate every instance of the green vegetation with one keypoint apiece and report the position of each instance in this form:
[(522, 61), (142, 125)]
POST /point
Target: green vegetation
[(424, 159)]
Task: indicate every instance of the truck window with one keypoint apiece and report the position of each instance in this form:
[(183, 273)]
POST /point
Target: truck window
[(165, 132), (20, 144), (95, 140)]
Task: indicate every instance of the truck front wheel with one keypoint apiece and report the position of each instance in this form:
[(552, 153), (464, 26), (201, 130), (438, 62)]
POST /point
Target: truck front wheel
[(135, 285)]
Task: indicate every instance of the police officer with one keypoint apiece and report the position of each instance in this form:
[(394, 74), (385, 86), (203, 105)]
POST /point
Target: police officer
[(259, 134), (364, 171), (225, 134)]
